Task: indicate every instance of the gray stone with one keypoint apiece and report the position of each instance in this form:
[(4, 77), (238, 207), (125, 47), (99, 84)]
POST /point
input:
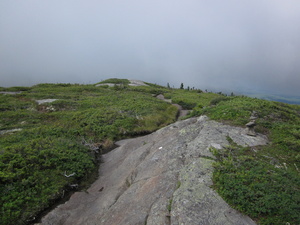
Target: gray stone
[(253, 117), (107, 84), (42, 101), (250, 128), (250, 131), (137, 83), (195, 202), (251, 124), (161, 178), (10, 92), (10, 131), (162, 97), (132, 83)]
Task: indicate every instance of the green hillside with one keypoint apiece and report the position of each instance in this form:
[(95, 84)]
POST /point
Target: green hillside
[(49, 149), (263, 182)]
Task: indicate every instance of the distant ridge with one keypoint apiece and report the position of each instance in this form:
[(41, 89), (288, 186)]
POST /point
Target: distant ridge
[(273, 97)]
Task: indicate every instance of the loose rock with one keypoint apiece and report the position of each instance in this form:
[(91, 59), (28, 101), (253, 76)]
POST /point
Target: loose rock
[(42, 101), (10, 131)]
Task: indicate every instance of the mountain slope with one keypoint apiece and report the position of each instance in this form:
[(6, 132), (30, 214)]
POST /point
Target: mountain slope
[(50, 148)]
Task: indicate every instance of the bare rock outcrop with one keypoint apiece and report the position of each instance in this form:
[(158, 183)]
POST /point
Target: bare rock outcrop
[(10, 92), (134, 83), (137, 83), (161, 178), (42, 101)]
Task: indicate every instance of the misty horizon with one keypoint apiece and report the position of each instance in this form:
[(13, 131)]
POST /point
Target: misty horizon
[(229, 46)]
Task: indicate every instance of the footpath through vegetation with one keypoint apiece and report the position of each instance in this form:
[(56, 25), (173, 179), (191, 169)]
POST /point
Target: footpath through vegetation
[(51, 148)]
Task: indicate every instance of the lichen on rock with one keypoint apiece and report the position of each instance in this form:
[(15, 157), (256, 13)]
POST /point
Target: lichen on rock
[(160, 178)]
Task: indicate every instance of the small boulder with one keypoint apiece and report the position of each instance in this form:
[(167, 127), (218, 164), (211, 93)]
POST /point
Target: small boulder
[(251, 124), (250, 128), (254, 115), (42, 101)]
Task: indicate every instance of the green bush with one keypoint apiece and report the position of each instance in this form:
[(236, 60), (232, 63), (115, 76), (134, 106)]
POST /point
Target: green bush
[(215, 101), (32, 175), (15, 89), (115, 81), (263, 183), (266, 193)]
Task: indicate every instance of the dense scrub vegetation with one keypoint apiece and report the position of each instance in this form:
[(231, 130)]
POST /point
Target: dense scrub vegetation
[(262, 182), (188, 99), (58, 139)]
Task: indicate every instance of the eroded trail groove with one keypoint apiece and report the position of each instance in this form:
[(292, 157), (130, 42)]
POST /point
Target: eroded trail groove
[(161, 178)]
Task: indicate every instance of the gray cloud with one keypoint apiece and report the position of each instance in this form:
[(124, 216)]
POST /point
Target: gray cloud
[(234, 45)]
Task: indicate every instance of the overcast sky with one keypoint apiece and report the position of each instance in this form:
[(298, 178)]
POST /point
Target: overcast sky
[(221, 44)]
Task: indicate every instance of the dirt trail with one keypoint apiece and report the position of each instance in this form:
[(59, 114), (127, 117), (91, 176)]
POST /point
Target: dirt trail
[(182, 112), (160, 178)]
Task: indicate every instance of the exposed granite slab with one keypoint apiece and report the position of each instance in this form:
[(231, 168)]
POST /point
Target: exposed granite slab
[(161, 178)]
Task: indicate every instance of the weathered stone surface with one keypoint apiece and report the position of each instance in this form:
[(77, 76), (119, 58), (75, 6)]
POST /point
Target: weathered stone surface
[(10, 92), (132, 83), (250, 128), (161, 178), (253, 117), (42, 101), (107, 84), (10, 131), (137, 83), (194, 197), (251, 124)]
